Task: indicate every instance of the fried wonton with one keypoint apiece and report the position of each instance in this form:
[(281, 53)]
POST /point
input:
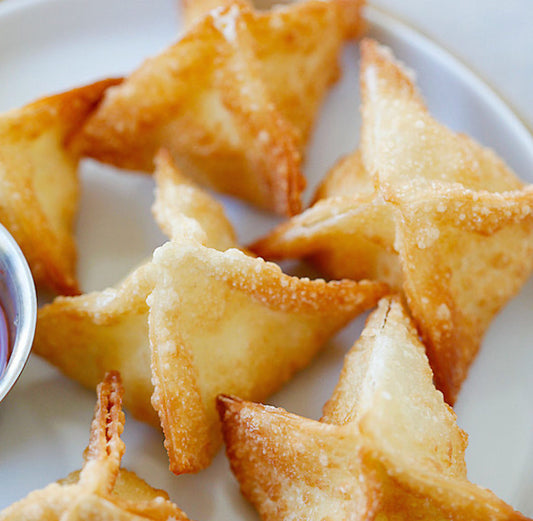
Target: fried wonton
[(216, 321), (387, 447), (39, 183), (233, 100), (101, 490), (447, 221)]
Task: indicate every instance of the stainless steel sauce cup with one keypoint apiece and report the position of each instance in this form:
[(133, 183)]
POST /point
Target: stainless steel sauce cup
[(19, 302)]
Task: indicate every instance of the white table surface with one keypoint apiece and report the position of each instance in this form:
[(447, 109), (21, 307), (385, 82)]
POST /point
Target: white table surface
[(493, 37)]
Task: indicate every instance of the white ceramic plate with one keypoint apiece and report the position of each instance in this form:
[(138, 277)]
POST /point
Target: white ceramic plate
[(47, 46)]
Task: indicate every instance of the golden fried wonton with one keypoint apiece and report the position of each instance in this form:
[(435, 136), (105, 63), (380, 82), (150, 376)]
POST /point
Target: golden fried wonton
[(387, 447), (208, 321), (447, 222), (39, 183), (101, 490), (233, 100)]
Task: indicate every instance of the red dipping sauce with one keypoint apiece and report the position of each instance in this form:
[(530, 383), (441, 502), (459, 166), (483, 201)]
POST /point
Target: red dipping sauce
[(4, 342)]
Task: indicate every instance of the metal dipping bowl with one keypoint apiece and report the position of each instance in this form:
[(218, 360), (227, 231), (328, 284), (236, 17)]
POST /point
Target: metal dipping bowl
[(18, 299)]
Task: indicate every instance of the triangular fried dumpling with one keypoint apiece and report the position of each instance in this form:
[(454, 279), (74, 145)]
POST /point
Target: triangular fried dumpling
[(101, 490), (216, 321), (387, 447), (233, 100), (226, 321), (455, 275), (39, 183)]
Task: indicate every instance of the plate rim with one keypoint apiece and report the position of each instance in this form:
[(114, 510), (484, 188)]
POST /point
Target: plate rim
[(442, 49)]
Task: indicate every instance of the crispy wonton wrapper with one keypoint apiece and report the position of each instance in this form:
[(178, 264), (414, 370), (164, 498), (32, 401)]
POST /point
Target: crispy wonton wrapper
[(297, 46), (387, 447), (233, 100), (101, 490), (447, 222), (39, 183), (216, 321)]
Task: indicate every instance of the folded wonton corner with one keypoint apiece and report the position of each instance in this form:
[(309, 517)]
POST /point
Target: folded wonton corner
[(429, 211), (387, 447), (196, 321), (101, 490), (39, 182)]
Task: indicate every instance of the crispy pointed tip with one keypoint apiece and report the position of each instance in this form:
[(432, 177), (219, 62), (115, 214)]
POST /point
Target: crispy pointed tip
[(114, 379), (68, 289), (162, 158), (293, 208), (368, 45), (296, 187), (105, 449), (381, 69), (229, 410), (371, 50), (227, 404), (449, 389), (109, 405), (165, 168), (263, 248), (179, 465), (176, 468)]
